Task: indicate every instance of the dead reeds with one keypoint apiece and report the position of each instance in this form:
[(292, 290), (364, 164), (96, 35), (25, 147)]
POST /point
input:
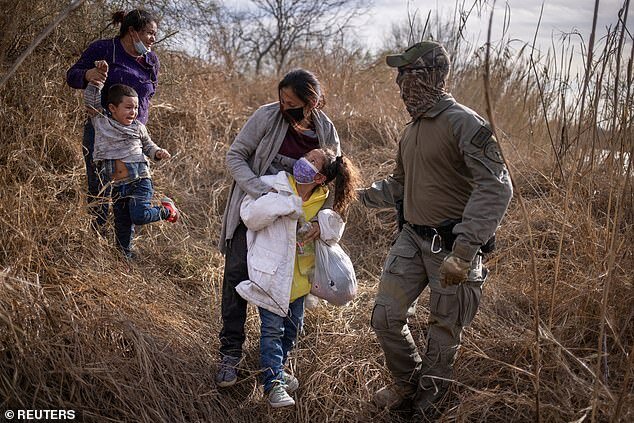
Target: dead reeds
[(82, 329)]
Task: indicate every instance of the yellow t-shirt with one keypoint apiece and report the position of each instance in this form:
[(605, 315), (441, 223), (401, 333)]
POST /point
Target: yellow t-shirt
[(304, 263)]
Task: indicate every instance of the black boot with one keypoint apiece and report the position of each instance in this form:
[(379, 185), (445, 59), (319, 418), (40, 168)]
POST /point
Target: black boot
[(429, 398)]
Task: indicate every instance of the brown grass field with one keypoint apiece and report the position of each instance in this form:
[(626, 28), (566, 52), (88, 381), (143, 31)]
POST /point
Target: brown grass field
[(82, 329)]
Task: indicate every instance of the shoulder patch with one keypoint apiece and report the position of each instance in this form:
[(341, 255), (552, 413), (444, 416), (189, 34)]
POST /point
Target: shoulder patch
[(481, 137), (492, 152)]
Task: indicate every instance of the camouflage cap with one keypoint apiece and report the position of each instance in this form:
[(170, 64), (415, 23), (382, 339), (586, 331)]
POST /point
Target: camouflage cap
[(431, 53)]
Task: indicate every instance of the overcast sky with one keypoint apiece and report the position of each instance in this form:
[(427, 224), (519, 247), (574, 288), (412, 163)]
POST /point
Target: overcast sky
[(559, 16)]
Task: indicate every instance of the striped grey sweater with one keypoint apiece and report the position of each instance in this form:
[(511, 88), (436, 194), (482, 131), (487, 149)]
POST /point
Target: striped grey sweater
[(114, 141)]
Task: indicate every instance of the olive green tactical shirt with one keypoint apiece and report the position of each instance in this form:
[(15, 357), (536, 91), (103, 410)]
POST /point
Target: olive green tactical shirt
[(448, 166)]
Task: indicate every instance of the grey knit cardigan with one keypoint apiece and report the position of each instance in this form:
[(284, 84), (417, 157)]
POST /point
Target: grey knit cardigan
[(253, 151)]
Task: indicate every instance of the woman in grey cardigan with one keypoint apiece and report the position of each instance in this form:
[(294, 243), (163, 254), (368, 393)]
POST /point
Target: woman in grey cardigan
[(273, 138)]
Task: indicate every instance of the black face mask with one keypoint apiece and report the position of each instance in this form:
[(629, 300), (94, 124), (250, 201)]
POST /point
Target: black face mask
[(296, 114)]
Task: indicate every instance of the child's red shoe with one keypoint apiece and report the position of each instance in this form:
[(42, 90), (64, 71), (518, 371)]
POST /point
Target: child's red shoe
[(169, 205)]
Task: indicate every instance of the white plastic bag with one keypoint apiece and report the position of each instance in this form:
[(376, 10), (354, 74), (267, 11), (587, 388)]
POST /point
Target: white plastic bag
[(334, 279)]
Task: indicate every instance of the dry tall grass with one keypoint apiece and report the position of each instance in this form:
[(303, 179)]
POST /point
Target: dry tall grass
[(82, 329)]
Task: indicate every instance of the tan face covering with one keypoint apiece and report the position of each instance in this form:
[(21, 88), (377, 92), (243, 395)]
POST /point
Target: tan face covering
[(421, 86)]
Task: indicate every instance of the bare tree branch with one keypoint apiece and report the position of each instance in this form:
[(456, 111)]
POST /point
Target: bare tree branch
[(274, 28), (63, 14)]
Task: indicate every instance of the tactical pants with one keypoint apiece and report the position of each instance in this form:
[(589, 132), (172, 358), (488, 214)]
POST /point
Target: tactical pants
[(410, 267)]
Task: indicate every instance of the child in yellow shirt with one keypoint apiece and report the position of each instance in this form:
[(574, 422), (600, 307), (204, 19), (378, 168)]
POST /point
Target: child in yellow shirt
[(275, 252)]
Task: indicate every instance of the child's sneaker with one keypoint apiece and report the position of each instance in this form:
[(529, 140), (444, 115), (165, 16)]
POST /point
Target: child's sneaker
[(278, 397), (291, 383), (169, 205)]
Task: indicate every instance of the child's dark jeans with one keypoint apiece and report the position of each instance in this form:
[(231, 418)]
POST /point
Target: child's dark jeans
[(132, 207), (98, 196)]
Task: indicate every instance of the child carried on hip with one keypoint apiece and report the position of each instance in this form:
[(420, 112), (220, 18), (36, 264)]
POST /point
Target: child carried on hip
[(280, 260)]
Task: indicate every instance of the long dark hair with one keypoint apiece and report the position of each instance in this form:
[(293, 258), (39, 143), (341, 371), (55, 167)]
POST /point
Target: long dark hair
[(305, 85), (346, 177), (136, 19)]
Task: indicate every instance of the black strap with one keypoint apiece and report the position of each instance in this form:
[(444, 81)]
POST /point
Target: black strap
[(448, 237)]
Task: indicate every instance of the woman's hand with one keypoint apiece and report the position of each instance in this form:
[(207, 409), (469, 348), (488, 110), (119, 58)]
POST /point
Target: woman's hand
[(98, 74), (313, 233), (162, 154), (102, 65)]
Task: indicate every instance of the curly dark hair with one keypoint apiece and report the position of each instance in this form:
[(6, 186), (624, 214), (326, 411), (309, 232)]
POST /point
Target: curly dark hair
[(346, 177)]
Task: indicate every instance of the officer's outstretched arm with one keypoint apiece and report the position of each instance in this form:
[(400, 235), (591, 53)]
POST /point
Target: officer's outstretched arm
[(381, 194), (387, 192)]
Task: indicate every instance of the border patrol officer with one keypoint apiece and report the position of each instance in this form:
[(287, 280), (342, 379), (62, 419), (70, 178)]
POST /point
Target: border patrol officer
[(455, 189)]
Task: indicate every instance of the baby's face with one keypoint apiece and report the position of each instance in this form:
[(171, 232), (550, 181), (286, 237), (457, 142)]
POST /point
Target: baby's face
[(126, 111)]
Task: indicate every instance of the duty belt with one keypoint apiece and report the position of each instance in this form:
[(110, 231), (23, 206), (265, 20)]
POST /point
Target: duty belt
[(441, 237)]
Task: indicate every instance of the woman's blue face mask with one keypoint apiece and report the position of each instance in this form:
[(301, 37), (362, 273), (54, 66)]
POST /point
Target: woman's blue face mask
[(139, 46), (304, 171)]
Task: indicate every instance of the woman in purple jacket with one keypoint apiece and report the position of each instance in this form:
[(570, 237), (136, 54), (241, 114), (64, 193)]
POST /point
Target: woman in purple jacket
[(130, 62)]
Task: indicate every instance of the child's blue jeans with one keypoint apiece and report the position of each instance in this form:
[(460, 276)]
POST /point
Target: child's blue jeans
[(132, 207), (277, 339)]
